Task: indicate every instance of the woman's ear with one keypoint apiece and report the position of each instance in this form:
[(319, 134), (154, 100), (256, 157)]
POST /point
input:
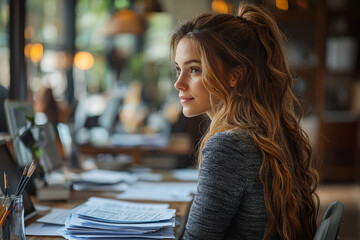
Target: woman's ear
[(237, 74)]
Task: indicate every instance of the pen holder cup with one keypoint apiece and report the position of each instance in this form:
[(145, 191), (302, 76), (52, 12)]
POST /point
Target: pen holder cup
[(12, 227)]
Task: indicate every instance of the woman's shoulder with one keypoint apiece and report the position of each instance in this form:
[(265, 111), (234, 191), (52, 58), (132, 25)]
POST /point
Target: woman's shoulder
[(232, 151), (231, 144), (230, 138)]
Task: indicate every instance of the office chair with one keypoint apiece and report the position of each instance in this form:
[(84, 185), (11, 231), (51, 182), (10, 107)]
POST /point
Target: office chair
[(330, 224)]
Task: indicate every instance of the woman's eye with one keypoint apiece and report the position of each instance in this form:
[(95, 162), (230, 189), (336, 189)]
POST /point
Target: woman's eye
[(194, 70), (178, 70)]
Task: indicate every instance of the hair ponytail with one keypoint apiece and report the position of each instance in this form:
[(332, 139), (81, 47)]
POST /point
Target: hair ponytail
[(285, 201)]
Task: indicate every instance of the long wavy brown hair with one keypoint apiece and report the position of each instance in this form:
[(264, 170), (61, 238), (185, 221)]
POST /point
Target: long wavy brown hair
[(249, 48)]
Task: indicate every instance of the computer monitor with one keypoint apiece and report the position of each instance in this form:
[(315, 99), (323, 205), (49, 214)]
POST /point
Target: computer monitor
[(16, 112), (8, 164), (50, 156)]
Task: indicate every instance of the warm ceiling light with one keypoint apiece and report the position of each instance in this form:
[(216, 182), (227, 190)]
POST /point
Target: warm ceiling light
[(282, 4), (84, 60), (220, 6), (125, 21), (36, 52), (27, 50)]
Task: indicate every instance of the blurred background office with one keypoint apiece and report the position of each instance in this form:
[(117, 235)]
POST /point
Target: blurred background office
[(103, 67)]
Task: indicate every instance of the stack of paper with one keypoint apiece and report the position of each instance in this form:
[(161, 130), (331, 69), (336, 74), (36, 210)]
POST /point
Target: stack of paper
[(101, 218), (103, 180)]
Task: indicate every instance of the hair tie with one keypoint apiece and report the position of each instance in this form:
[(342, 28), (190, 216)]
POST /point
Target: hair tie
[(242, 19), (250, 24)]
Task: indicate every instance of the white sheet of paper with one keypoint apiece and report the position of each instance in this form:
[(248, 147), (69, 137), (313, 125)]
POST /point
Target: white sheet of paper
[(124, 215), (75, 221), (100, 176), (41, 208), (56, 216), (98, 201), (41, 229), (132, 140), (160, 191), (161, 234), (153, 177), (186, 174), (118, 187)]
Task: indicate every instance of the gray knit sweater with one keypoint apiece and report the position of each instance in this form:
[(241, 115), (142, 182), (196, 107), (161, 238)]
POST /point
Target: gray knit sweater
[(229, 202)]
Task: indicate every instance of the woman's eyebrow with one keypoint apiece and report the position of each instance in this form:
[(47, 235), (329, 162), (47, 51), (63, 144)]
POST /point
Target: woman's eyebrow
[(192, 61), (189, 61)]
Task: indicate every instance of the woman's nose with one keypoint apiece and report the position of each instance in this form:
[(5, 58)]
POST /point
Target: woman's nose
[(180, 83)]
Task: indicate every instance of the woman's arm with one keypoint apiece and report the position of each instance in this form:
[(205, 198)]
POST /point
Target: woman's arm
[(222, 183)]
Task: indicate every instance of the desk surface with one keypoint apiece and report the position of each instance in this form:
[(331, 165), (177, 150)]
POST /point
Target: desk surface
[(79, 197)]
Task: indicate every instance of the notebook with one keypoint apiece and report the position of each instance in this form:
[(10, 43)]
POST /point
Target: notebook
[(8, 164)]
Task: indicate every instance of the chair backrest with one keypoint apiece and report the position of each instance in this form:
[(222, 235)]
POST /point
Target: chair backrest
[(331, 222)]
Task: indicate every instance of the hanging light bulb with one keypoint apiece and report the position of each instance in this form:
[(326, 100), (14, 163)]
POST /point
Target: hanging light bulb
[(220, 6), (282, 4), (36, 52), (83, 60), (125, 21)]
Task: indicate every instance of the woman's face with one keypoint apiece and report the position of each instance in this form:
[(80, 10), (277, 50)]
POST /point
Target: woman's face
[(194, 98)]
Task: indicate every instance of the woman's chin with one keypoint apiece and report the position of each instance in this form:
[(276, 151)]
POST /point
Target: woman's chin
[(189, 114)]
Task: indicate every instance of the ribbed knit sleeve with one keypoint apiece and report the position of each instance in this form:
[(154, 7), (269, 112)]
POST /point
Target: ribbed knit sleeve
[(229, 202)]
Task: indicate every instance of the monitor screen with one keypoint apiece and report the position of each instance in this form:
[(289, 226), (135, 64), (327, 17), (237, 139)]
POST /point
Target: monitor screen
[(50, 155), (8, 165), (16, 112)]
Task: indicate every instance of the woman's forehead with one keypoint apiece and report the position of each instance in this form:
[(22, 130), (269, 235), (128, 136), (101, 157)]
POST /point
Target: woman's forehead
[(187, 50)]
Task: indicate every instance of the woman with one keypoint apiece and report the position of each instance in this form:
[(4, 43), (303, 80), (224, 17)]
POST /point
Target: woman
[(256, 179)]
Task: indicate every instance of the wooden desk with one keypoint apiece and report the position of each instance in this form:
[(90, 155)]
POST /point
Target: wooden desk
[(179, 144), (79, 197)]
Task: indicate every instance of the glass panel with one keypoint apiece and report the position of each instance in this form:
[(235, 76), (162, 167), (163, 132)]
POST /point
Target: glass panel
[(46, 58), (129, 66), (90, 19), (4, 44)]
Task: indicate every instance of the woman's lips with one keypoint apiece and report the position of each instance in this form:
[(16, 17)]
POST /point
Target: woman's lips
[(186, 99)]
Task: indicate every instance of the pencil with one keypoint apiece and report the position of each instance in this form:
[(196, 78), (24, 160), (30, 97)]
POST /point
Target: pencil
[(3, 204), (4, 216), (6, 185), (5, 208), (4, 211)]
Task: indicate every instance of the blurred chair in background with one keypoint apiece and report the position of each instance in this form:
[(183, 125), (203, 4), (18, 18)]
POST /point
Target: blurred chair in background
[(331, 222)]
